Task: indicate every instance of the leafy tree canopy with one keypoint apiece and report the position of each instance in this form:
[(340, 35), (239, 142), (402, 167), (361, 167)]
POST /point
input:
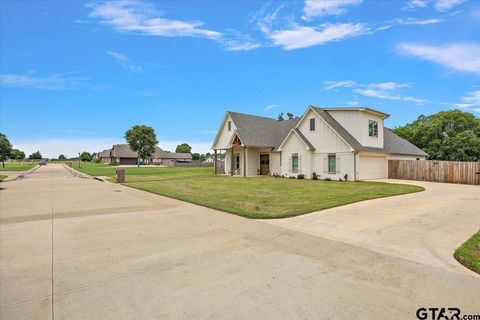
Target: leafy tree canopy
[(143, 140), (5, 148), (448, 135), (183, 148), (62, 157), (35, 156), (85, 156), (17, 154), (195, 156), (290, 115), (280, 117)]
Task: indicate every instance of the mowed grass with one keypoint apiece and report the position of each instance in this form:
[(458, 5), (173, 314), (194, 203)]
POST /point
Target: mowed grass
[(17, 166), (260, 197), (469, 253)]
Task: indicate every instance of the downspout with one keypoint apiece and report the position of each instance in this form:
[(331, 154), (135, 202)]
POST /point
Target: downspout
[(355, 165)]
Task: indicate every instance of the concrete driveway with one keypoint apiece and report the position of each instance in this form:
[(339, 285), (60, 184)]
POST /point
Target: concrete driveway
[(84, 249), (425, 227)]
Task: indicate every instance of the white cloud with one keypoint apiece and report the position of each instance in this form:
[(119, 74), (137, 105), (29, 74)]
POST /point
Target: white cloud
[(417, 3), (463, 57), (389, 85), (45, 82), (329, 85), (445, 5), (470, 101), (380, 94), (142, 18), (236, 41), (317, 8), (270, 107), (415, 21), (125, 62), (302, 36)]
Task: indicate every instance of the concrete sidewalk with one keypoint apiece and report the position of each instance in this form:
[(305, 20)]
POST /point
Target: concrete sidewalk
[(83, 249)]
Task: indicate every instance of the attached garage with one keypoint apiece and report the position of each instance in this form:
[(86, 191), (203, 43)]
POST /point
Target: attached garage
[(127, 161), (372, 167)]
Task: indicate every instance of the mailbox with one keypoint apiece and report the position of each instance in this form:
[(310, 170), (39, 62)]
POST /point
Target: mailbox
[(120, 175)]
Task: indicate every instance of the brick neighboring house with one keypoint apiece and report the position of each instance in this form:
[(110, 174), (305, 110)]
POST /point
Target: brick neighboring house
[(122, 154)]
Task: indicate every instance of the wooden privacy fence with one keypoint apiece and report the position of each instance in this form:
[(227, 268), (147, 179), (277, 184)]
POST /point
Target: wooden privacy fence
[(436, 171)]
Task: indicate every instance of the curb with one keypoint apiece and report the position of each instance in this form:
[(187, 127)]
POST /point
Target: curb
[(78, 173), (13, 176)]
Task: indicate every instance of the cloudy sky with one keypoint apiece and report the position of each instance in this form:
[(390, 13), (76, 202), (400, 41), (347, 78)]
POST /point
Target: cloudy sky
[(76, 75)]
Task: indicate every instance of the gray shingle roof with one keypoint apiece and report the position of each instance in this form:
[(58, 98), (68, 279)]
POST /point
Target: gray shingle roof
[(397, 145), (124, 151), (261, 131), (304, 139), (267, 132), (104, 153)]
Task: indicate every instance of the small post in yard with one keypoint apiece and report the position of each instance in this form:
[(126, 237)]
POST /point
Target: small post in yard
[(120, 175), (215, 161)]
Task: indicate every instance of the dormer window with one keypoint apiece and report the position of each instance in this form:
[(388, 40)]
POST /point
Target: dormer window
[(229, 125), (312, 124), (373, 128)]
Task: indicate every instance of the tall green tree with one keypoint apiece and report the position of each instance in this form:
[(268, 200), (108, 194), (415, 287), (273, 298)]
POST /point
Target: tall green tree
[(280, 117), (35, 156), (86, 156), (5, 148), (17, 154), (143, 140), (183, 148), (447, 135), (62, 157)]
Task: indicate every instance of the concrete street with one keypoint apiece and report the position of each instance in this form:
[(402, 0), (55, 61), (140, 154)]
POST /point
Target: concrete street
[(83, 249)]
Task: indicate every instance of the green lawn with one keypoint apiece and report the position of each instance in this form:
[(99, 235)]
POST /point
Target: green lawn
[(2, 177), (256, 197), (469, 253), (17, 166)]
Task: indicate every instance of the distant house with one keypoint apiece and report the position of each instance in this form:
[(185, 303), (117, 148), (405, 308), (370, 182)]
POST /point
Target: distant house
[(331, 142), (122, 154), (208, 160)]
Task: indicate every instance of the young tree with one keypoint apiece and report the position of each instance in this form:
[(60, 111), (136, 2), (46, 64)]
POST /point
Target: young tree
[(195, 156), (85, 156), (183, 148), (62, 157), (290, 115), (17, 154), (35, 156), (143, 140), (447, 135), (280, 117), (5, 148)]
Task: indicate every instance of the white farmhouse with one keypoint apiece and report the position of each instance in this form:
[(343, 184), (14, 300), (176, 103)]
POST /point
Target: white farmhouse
[(332, 142)]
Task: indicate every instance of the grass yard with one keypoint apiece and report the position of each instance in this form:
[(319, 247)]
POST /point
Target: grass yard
[(17, 166), (260, 197), (469, 253)]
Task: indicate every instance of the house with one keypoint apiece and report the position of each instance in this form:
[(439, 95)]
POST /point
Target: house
[(122, 154), (331, 142), (104, 156)]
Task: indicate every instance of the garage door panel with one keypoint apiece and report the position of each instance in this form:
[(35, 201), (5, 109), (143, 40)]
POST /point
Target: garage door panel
[(128, 161), (371, 167)]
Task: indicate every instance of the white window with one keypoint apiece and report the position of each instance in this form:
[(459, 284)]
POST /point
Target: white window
[(312, 124), (294, 162), (372, 128)]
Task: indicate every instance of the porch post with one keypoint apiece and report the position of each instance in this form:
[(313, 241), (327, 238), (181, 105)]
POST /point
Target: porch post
[(231, 161), (245, 161), (215, 160)]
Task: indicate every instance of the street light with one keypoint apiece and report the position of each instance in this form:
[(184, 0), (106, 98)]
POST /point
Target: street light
[(79, 160)]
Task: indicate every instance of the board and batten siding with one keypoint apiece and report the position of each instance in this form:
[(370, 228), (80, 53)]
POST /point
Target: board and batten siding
[(294, 145), (345, 165), (356, 123), (275, 163), (225, 135)]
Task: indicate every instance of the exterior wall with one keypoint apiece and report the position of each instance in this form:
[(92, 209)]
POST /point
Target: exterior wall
[(225, 135), (345, 165), (404, 157), (324, 139), (275, 163), (228, 160), (253, 161), (292, 145), (106, 160), (356, 122)]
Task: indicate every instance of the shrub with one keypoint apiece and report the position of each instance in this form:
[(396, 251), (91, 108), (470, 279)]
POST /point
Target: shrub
[(345, 177), (292, 177), (301, 176), (314, 176), (327, 179)]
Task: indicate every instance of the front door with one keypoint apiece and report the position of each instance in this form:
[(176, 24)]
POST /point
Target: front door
[(264, 164)]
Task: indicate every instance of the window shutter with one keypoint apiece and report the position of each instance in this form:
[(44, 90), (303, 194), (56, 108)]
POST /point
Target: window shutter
[(325, 164), (289, 164), (299, 165), (337, 164)]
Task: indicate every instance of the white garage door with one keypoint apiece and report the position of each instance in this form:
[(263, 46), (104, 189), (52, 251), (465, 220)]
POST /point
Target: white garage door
[(372, 167)]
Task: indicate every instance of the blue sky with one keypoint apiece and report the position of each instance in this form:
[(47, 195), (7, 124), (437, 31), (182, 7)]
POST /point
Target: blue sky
[(77, 75)]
